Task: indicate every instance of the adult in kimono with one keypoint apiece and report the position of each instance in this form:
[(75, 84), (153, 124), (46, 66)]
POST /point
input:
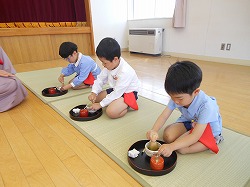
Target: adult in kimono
[(12, 92)]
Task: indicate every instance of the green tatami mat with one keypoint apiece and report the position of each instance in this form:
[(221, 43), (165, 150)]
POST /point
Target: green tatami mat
[(230, 167), (38, 80)]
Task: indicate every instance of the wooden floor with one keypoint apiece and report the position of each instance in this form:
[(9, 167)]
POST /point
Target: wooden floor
[(40, 148)]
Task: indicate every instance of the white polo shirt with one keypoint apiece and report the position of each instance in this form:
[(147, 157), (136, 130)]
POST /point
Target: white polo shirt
[(122, 79)]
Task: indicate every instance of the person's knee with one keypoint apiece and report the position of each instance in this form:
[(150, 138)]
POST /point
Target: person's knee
[(9, 86), (113, 113), (168, 137)]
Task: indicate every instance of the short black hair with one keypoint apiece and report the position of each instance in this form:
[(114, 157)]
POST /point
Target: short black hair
[(108, 48), (67, 48), (183, 77)]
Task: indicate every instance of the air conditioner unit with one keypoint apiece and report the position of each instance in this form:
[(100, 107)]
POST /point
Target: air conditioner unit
[(146, 40)]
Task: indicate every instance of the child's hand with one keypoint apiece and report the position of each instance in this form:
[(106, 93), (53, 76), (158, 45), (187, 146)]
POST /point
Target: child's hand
[(95, 106), (62, 89), (165, 150), (92, 97), (66, 87), (152, 135), (61, 79)]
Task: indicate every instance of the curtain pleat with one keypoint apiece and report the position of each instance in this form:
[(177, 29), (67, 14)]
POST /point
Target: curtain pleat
[(179, 18), (34, 13)]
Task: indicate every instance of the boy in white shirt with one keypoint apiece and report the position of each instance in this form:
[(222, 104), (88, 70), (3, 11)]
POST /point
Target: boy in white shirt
[(121, 77)]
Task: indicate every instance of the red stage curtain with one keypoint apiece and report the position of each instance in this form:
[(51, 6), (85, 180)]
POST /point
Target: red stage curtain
[(42, 11)]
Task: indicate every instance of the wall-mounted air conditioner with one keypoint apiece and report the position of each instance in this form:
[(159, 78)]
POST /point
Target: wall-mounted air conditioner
[(146, 40)]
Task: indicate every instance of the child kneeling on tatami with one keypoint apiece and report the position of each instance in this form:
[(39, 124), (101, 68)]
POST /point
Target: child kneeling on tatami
[(121, 77), (199, 127), (84, 66)]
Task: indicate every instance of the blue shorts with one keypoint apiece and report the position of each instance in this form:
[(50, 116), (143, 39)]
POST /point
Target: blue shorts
[(188, 125), (109, 90)]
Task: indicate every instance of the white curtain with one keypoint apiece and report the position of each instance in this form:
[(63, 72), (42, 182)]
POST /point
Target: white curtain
[(179, 18)]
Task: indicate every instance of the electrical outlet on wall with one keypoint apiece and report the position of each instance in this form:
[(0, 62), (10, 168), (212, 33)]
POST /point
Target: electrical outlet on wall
[(222, 47), (228, 47)]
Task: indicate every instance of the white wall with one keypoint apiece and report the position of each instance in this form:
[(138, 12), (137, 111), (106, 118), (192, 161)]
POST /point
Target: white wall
[(109, 19), (209, 23)]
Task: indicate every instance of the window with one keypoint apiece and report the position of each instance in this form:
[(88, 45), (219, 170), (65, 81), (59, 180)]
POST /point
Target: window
[(146, 9)]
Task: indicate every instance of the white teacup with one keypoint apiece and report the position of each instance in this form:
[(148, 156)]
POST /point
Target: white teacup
[(151, 152)]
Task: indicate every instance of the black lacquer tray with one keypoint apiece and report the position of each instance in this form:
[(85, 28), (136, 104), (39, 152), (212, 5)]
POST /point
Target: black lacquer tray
[(141, 163), (46, 93), (91, 116)]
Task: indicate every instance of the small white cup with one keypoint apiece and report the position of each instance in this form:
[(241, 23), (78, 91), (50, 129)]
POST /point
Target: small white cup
[(150, 152)]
